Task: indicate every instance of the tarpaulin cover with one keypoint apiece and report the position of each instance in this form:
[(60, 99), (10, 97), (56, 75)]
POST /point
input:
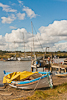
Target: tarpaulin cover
[(17, 76)]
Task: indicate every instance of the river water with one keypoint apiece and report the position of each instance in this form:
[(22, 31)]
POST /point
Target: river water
[(13, 66)]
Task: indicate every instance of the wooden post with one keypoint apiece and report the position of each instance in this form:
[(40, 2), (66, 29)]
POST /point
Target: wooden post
[(65, 70), (31, 69), (59, 69), (36, 68), (50, 69), (43, 69)]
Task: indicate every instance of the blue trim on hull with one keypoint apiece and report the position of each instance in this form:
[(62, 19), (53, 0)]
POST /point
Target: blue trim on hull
[(27, 81), (30, 81)]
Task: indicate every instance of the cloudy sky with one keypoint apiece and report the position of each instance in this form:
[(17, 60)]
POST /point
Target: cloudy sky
[(49, 23)]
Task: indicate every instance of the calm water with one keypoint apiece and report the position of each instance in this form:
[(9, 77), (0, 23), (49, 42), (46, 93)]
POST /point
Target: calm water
[(12, 66)]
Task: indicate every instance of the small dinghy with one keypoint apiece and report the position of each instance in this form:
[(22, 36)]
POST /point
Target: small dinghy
[(28, 80), (61, 74)]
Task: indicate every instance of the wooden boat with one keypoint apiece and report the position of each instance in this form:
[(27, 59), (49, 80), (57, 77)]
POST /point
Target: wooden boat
[(65, 62), (61, 74), (36, 80)]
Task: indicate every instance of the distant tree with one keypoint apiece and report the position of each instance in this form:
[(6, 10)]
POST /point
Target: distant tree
[(58, 51)]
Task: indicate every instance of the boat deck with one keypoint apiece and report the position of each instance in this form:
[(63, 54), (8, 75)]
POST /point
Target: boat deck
[(59, 67)]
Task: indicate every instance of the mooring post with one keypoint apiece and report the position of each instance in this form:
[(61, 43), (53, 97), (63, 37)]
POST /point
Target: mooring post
[(31, 69)]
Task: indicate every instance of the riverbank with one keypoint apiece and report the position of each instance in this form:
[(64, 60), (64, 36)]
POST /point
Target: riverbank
[(9, 54), (59, 92)]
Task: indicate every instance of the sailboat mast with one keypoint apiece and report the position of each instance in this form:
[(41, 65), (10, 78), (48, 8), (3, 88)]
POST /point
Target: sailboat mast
[(24, 45), (33, 38), (15, 48)]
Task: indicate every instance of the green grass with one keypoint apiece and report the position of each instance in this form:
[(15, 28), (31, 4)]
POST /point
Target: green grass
[(49, 94)]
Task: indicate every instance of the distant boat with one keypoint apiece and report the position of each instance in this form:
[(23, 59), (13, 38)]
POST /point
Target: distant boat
[(61, 74), (28, 80), (65, 62), (10, 59), (28, 58), (39, 62)]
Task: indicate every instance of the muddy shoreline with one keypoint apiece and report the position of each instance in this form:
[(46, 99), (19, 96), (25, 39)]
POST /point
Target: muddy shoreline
[(9, 93)]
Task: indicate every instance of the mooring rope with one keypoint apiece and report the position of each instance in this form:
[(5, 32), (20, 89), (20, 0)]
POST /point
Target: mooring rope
[(44, 82), (49, 81), (36, 85)]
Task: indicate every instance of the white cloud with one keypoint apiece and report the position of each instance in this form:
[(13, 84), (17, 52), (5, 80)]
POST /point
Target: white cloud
[(58, 28), (7, 8), (53, 36), (20, 2), (21, 16), (0, 36), (12, 27), (13, 4), (59, 47), (2, 43), (16, 35), (54, 33), (30, 12), (8, 19)]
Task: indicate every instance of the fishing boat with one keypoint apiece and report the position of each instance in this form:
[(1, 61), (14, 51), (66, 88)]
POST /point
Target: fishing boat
[(28, 58), (61, 74), (65, 62), (28, 80)]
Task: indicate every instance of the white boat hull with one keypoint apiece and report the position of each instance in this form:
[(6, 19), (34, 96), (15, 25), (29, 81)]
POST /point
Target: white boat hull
[(61, 74), (42, 83)]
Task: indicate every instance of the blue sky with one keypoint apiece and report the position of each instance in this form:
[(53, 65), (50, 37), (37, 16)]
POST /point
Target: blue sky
[(49, 18)]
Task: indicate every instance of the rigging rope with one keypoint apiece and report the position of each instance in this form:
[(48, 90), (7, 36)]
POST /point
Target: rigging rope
[(38, 39), (50, 81)]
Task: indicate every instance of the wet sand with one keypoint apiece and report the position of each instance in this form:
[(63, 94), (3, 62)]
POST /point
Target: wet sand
[(10, 93)]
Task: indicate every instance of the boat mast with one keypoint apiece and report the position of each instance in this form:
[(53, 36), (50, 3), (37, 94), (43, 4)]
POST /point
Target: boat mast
[(24, 46), (15, 48), (33, 38), (45, 52)]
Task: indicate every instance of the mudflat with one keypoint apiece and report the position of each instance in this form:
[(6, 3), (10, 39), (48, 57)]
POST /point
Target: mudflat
[(9, 93)]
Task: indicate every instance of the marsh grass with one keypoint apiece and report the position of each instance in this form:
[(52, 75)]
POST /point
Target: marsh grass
[(6, 54), (49, 94)]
